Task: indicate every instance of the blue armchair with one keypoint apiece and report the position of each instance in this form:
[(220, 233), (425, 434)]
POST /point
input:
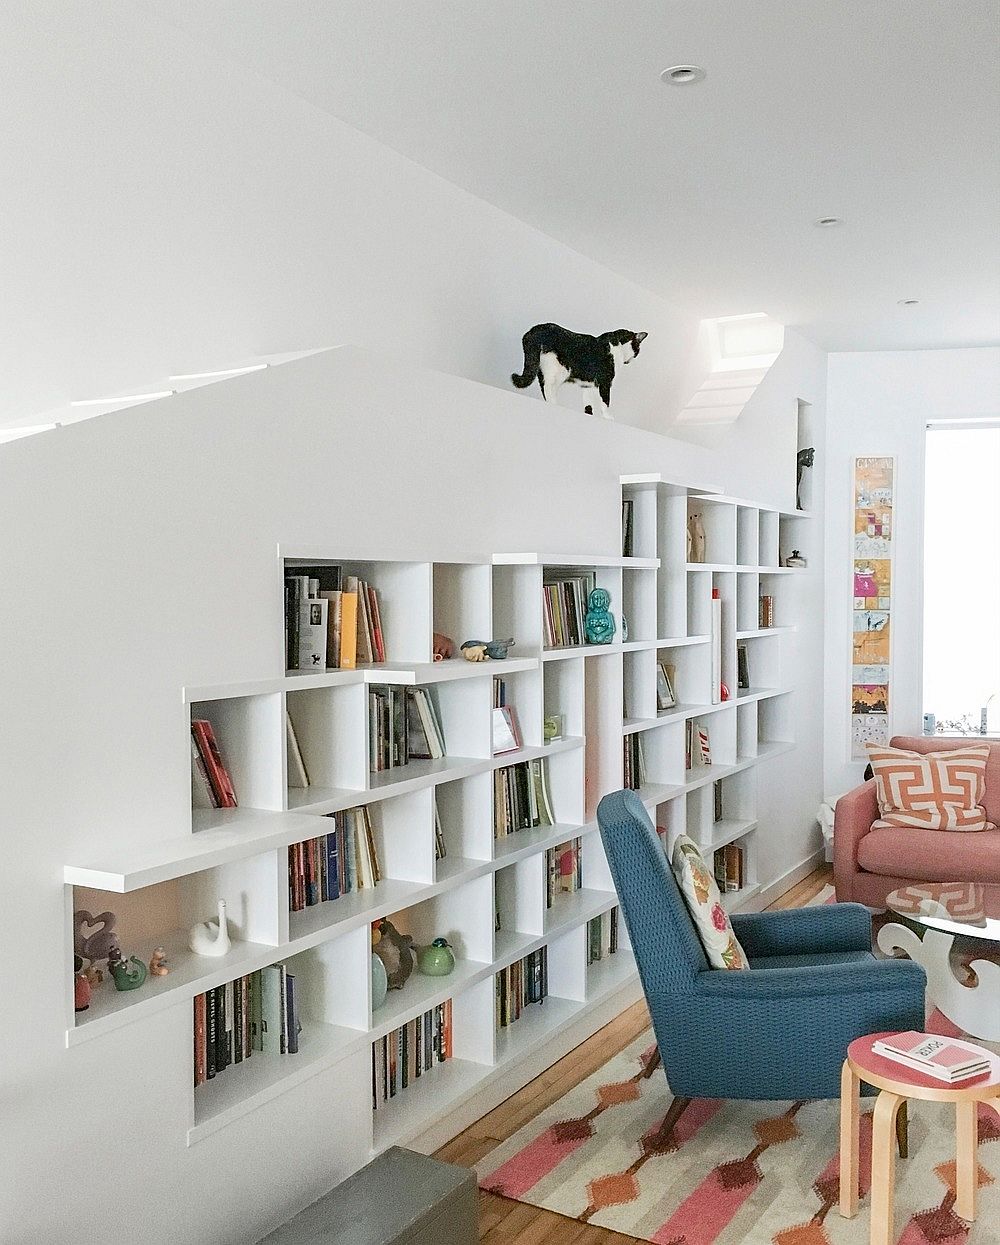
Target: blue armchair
[(778, 1031)]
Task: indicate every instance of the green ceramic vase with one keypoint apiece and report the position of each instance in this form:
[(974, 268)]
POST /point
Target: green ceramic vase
[(438, 959)]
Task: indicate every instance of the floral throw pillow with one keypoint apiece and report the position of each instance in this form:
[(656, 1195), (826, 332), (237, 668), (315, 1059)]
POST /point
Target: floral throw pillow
[(704, 902), (931, 790)]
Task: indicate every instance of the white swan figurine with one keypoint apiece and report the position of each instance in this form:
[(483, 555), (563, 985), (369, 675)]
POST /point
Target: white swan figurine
[(211, 937)]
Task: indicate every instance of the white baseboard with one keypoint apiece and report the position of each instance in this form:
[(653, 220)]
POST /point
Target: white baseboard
[(792, 877)]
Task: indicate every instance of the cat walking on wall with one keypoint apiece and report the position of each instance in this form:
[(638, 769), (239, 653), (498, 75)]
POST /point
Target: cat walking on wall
[(554, 356)]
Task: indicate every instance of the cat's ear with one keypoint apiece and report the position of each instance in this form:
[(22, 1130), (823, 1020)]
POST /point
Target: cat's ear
[(640, 337)]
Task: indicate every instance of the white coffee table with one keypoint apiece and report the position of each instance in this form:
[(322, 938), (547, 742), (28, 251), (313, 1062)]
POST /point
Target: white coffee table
[(946, 910)]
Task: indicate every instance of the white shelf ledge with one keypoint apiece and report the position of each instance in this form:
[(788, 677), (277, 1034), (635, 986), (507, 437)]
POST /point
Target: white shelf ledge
[(682, 641), (728, 830), (732, 901), (582, 560), (745, 695), (711, 566), (759, 632)]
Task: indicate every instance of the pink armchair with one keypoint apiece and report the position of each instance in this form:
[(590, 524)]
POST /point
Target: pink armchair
[(868, 864)]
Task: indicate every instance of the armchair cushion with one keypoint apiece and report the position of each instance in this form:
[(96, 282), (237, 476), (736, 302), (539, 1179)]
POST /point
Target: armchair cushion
[(930, 855), (829, 927), (701, 894)]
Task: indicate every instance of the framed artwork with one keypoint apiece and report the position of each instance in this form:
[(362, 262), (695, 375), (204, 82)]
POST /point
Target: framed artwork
[(873, 532), (665, 695)]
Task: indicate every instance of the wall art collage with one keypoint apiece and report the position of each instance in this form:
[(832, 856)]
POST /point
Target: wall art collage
[(871, 651)]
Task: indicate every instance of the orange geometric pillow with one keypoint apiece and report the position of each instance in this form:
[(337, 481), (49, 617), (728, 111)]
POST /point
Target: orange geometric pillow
[(931, 790)]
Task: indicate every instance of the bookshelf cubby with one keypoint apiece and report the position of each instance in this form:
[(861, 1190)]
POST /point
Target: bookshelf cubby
[(604, 694)]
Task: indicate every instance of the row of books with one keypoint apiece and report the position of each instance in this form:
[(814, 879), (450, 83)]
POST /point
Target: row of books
[(403, 724), (564, 607), (602, 936), (329, 625), (729, 865), (521, 798), (628, 531), (258, 1012), (211, 785), (410, 1052), (520, 984), (697, 745), (343, 860), (635, 762), (563, 870)]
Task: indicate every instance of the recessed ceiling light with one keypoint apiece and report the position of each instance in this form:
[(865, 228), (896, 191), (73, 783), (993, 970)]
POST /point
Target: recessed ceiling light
[(828, 222), (683, 75), (908, 302)]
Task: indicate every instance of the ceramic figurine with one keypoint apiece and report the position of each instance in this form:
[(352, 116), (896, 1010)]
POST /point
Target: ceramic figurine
[(444, 647), (486, 650), (696, 538), (796, 559), (437, 960), (81, 986), (99, 943), (158, 963), (395, 950), (211, 937), (624, 628), (599, 623), (804, 458), (114, 957), (129, 974), (93, 975), (380, 982)]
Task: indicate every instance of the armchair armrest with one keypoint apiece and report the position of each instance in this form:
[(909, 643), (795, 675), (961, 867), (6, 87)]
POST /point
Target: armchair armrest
[(852, 820), (829, 927), (828, 981)]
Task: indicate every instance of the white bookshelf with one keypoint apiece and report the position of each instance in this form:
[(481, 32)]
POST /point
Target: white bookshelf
[(606, 695)]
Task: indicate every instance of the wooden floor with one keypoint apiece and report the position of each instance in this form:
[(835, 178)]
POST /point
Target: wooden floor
[(501, 1220)]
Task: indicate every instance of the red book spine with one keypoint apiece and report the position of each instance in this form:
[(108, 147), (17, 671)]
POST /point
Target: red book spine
[(199, 1039), (222, 785)]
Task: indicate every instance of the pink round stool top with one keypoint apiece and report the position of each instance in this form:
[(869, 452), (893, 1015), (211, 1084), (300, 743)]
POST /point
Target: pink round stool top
[(899, 1079)]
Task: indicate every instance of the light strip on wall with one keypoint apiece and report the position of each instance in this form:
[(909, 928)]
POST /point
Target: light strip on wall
[(26, 430), (126, 397), (227, 371)]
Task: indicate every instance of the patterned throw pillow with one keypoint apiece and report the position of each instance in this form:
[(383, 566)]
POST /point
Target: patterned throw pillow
[(705, 905), (931, 790)]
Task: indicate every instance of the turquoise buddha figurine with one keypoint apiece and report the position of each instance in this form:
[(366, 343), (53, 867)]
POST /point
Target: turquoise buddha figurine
[(599, 623)]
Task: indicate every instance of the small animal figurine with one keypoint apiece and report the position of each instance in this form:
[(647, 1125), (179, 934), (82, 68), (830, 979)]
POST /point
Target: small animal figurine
[(599, 623), (158, 963), (486, 650), (437, 960), (696, 538), (804, 458), (554, 356), (81, 986), (99, 943), (129, 974), (93, 975), (211, 938), (444, 647), (395, 950)]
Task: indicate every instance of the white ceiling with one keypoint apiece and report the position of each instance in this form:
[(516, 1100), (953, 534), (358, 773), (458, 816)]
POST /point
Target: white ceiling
[(884, 113)]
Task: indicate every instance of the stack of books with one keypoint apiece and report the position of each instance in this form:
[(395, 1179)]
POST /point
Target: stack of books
[(410, 1052), (729, 865), (258, 1012), (211, 786), (628, 508), (521, 798), (564, 607), (521, 984), (343, 860), (635, 762), (440, 846), (937, 1057), (563, 871), (403, 724), (602, 936), (330, 625)]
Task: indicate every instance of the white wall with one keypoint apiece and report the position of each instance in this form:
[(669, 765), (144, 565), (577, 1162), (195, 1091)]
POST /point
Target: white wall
[(880, 403)]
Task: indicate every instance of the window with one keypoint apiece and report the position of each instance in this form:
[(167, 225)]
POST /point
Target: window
[(962, 579)]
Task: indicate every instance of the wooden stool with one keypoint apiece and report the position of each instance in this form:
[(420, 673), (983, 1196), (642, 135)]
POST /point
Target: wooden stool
[(896, 1084)]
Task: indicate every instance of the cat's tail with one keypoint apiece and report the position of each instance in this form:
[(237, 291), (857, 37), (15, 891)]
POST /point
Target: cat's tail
[(532, 356)]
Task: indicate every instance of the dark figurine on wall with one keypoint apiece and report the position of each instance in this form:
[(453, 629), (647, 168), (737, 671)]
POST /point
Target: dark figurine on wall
[(804, 458), (555, 356)]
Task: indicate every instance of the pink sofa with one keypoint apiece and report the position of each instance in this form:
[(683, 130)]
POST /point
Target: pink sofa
[(868, 864)]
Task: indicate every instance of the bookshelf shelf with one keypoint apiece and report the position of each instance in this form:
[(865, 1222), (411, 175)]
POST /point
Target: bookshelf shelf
[(574, 560), (537, 1023), (733, 901), (728, 830), (524, 843), (406, 1116), (606, 976), (575, 908), (758, 633), (421, 993)]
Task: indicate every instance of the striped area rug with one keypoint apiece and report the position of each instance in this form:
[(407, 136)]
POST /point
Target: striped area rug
[(733, 1172)]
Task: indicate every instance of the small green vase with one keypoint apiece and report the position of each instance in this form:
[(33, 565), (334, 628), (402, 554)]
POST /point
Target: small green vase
[(437, 960)]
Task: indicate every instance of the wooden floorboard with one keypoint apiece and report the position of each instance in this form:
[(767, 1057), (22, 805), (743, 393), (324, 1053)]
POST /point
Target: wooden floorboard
[(502, 1221)]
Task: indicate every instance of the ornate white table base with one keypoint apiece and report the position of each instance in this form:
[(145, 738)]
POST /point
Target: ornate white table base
[(974, 1008)]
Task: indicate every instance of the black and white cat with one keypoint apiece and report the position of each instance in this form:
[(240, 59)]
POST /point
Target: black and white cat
[(556, 356)]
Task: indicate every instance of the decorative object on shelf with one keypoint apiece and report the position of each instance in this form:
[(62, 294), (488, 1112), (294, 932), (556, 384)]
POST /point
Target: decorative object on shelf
[(114, 957), (158, 963), (128, 974), (665, 695), (99, 943), (696, 537), (93, 975), (395, 950), (795, 559), (486, 650), (805, 458), (437, 960), (380, 982), (871, 577), (552, 727), (766, 612), (599, 624), (724, 692), (443, 646), (624, 629), (211, 938), (81, 986), (554, 355), (742, 667)]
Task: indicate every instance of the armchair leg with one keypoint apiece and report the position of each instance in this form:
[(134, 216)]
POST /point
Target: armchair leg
[(903, 1131), (655, 1060), (677, 1109)]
